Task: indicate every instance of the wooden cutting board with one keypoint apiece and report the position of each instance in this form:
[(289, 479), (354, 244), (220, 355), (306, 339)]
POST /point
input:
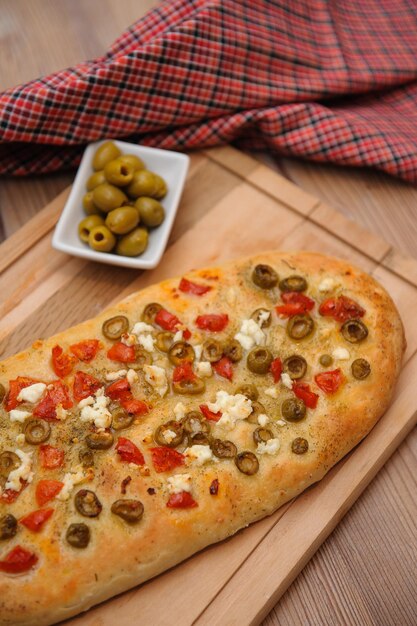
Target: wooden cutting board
[(232, 206)]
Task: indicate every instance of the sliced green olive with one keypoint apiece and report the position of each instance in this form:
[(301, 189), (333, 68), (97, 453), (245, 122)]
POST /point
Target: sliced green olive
[(36, 431), (2, 392), (194, 423), (212, 351), (87, 503), (150, 311), (360, 369), (99, 441), (164, 340), (169, 434), (192, 387), (300, 326), (142, 357), (326, 360), (181, 351), (223, 449), (86, 457), (261, 318), (8, 526), (199, 439), (264, 276), (299, 445), (248, 390), (257, 410), (130, 511), (293, 283), (354, 331), (247, 463), (293, 409), (9, 461), (118, 172), (261, 435), (233, 350), (259, 360), (115, 327), (295, 366), (78, 535), (86, 226), (121, 419)]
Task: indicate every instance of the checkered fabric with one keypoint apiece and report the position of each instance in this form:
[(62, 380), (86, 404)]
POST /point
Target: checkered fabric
[(328, 80)]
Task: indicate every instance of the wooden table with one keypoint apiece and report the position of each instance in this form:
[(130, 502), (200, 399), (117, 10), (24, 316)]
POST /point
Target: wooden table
[(365, 572)]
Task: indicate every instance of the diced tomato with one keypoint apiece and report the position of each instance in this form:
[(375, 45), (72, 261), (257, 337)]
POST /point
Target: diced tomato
[(62, 363), (129, 452), (224, 368), (57, 394), (35, 520), (134, 407), (303, 391), (169, 321), (122, 353), (186, 286), (295, 304), (46, 490), (119, 390), (330, 381), (182, 500), (276, 369), (214, 322), (209, 415), (341, 309), (86, 350), (51, 457), (184, 371), (165, 459), (15, 387), (10, 495), (18, 560), (84, 385)]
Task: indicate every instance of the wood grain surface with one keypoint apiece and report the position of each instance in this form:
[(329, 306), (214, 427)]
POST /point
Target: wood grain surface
[(364, 572)]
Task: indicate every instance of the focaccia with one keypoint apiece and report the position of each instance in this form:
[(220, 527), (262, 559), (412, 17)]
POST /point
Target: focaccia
[(179, 416)]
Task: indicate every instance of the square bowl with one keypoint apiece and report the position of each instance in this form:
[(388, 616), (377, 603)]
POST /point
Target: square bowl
[(172, 166)]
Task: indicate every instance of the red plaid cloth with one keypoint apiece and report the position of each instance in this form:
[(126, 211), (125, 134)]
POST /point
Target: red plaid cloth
[(327, 80)]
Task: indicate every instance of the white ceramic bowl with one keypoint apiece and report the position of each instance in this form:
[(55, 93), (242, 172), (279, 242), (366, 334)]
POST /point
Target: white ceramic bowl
[(172, 166)]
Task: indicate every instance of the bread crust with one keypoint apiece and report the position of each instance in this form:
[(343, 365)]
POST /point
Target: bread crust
[(66, 581)]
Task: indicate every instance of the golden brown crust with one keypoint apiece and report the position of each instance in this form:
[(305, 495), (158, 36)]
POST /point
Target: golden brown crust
[(67, 581)]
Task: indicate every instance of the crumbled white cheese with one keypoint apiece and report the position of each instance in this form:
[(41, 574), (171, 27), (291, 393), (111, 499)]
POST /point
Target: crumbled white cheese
[(204, 369), (269, 447), (286, 380), (327, 284), (231, 296), (250, 335), (32, 394), (178, 336), (144, 332), (23, 472), (169, 435), (179, 483), (61, 413), (16, 415), (20, 439), (198, 350), (280, 422), (233, 408), (132, 377), (71, 479), (142, 327), (263, 419), (157, 378), (199, 454), (341, 354), (86, 402), (115, 375), (128, 339), (96, 411), (179, 411), (263, 317), (272, 392)]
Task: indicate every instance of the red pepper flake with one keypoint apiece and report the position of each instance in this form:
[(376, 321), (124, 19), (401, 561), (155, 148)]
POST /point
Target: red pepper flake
[(125, 483), (186, 286), (214, 487), (18, 560)]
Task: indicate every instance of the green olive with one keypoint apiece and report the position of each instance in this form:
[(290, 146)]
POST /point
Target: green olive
[(264, 276), (105, 153), (181, 352), (144, 183), (78, 535), (130, 511), (134, 243), (295, 366), (259, 360), (192, 387), (121, 419), (299, 445), (257, 410), (115, 327), (36, 431), (248, 390), (86, 457), (262, 317), (261, 435), (2, 392), (8, 526), (293, 283), (300, 326), (194, 423), (233, 350), (118, 172), (88, 204), (223, 449), (247, 463), (293, 409), (164, 340), (86, 226), (151, 212), (101, 239), (142, 357), (132, 160), (325, 360), (108, 197), (169, 434), (150, 311), (8, 461), (122, 220), (87, 503), (360, 368), (354, 331), (99, 441), (212, 351), (199, 439), (95, 180)]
